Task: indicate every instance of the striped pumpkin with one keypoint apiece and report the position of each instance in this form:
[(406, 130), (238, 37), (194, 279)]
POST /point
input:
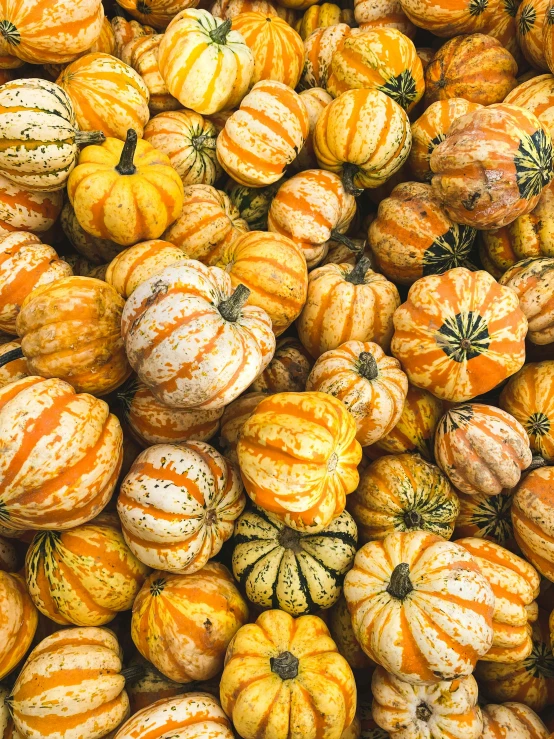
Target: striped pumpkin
[(135, 265), (94, 249), (151, 687), (299, 573), (229, 9), (385, 13), (319, 16), (537, 96), (301, 680), (512, 721), (447, 19), (8, 556), (62, 455), (530, 22), (27, 210), (298, 458), (188, 139), (533, 281), (235, 415), (7, 729), (486, 517), (192, 363), (415, 572), (264, 135), (125, 31), (287, 372), (466, 343), (72, 680), (316, 99), (319, 48), (142, 55), (347, 303), (25, 264), (340, 627), (533, 519), (156, 13), (252, 202), (19, 622), (184, 623), (500, 23)]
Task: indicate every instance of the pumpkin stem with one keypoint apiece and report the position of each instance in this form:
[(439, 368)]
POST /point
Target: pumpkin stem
[(133, 672), (84, 138), (400, 584), (289, 539), (219, 34), (536, 462), (412, 520), (423, 712), (367, 366), (285, 665), (349, 171), (342, 239), (126, 165), (11, 356), (198, 142), (230, 309), (357, 275)]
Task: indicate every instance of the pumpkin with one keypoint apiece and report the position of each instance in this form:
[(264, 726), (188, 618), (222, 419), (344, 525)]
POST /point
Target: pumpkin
[(319, 48), (8, 556), (347, 303), (233, 419), (340, 627), (252, 202), (297, 572), (207, 66), (530, 21), (466, 342), (387, 13), (277, 48), (413, 236), (151, 687), (403, 492), (72, 680), (188, 139), (430, 129), (456, 71), (142, 54), (311, 208), (25, 264), (280, 121), (486, 517), (231, 8), (448, 708), (532, 519), (529, 397), (135, 265), (95, 249), (503, 139), (533, 281), (19, 621), (83, 576), (273, 268), (62, 455), (125, 31), (157, 13), (378, 59), (27, 210), (303, 686), (512, 721), (316, 99), (210, 346), (70, 329), (126, 192), (287, 372), (298, 458), (435, 607), (183, 623), (319, 16), (500, 23), (537, 96), (364, 136), (447, 19)]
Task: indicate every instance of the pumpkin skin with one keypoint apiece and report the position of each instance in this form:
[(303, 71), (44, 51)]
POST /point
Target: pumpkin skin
[(280, 121), (536, 95), (83, 666), (412, 236), (151, 687), (448, 708), (183, 623), (464, 344), (512, 721), (142, 55), (181, 530), (71, 328), (319, 48), (252, 202), (19, 622), (533, 281), (486, 517), (287, 372), (71, 464), (205, 65), (500, 23), (402, 492), (296, 572), (232, 343), (530, 22), (95, 250), (447, 19), (316, 99), (8, 556), (387, 13), (319, 699), (25, 264), (106, 94), (298, 458), (125, 31), (27, 210), (135, 265), (226, 9), (233, 419), (134, 203), (320, 16), (157, 13), (188, 139), (532, 520), (347, 303), (340, 627), (503, 138), (436, 569)]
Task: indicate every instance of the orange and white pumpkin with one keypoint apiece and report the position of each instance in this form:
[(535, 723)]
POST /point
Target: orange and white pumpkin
[(316, 99), (287, 372), (533, 519), (27, 210), (512, 721), (125, 31), (486, 517), (235, 415), (319, 48), (18, 624), (533, 281), (142, 55), (157, 13), (135, 265), (530, 24), (445, 18), (226, 9), (96, 250), (385, 13), (537, 96)]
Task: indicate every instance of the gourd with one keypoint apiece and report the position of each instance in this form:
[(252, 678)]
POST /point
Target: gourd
[(96, 250), (319, 48), (252, 202), (533, 281), (133, 266), (157, 13), (288, 370), (125, 31), (340, 627), (536, 95), (486, 517), (316, 99), (512, 721), (142, 55), (22, 209), (532, 519), (320, 16), (226, 9), (463, 16), (233, 419), (530, 23), (19, 622), (388, 14)]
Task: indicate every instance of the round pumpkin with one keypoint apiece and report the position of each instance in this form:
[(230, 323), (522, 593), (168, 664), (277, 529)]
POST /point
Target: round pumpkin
[(466, 342), (252, 202), (316, 99), (135, 265), (319, 48), (233, 419), (387, 13), (287, 372), (151, 687), (304, 687), (125, 31), (184, 623), (19, 621), (530, 22), (319, 16), (447, 19), (486, 517), (210, 346), (512, 721), (157, 13), (537, 96), (95, 250), (500, 23), (231, 8), (340, 627), (533, 281), (533, 517), (142, 56), (27, 210)]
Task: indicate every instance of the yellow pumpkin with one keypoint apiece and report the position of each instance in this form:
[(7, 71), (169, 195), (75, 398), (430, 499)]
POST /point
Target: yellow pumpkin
[(18, 624), (135, 265), (319, 16), (142, 55)]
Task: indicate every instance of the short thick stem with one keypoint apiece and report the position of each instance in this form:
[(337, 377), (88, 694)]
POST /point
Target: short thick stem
[(400, 584), (11, 356), (413, 520), (200, 142), (357, 275), (367, 366), (126, 165), (423, 712), (132, 673), (85, 138), (285, 665), (230, 309), (349, 171), (342, 239), (219, 34)]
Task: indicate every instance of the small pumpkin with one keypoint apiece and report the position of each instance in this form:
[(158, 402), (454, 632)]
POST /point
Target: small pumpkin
[(157, 13), (532, 519), (229, 9), (151, 687), (96, 250), (133, 266), (27, 210), (319, 16), (500, 23), (537, 96), (319, 48), (533, 281), (447, 19), (316, 99), (19, 621), (512, 721), (388, 14), (530, 22), (287, 372), (233, 419), (142, 55), (125, 31), (252, 202), (548, 37), (340, 627), (486, 517)]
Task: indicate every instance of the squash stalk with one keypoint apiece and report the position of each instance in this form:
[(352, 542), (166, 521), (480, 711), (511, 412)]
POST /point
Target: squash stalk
[(126, 165), (285, 665), (230, 309), (85, 138), (367, 366), (132, 673), (342, 239), (11, 356), (400, 584), (536, 462), (357, 275), (219, 34), (349, 171)]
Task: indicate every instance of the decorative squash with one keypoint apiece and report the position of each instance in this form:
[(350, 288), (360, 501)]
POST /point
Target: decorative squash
[(319, 48), (464, 344), (402, 492), (532, 519), (430, 129), (188, 139), (183, 623), (512, 721), (320, 16), (125, 31), (304, 687), (133, 266), (298, 458), (273, 268), (500, 23), (340, 627), (96, 250), (486, 517), (19, 621), (152, 686), (412, 576), (208, 222), (530, 22), (387, 13), (235, 415), (493, 166), (189, 363), (347, 303), (229, 9), (280, 119), (126, 192), (207, 66), (27, 210), (316, 99), (252, 202), (287, 372), (142, 55), (533, 281), (62, 455), (447, 19), (157, 13), (537, 96), (71, 328), (25, 263), (529, 397), (299, 573), (446, 708)]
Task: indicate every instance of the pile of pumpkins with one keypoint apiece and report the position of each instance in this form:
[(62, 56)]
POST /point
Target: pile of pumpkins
[(276, 369)]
